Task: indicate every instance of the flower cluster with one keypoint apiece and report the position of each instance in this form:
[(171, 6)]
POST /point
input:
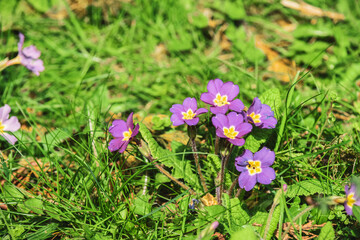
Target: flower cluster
[(232, 123)]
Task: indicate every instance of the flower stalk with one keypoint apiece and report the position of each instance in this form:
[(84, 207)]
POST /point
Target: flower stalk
[(192, 135)]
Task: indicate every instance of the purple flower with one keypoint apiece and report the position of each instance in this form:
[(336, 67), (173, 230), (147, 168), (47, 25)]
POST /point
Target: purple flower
[(232, 127), (123, 132), (255, 168), (186, 113), (221, 97), (6, 124), (261, 115), (29, 57), (352, 197)]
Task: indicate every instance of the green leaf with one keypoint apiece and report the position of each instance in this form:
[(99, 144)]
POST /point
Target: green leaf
[(200, 20), (55, 137), (327, 232), (181, 43), (236, 216), (12, 193), (161, 178), (181, 168), (246, 232), (16, 231), (356, 212), (141, 205), (213, 165), (256, 138), (43, 5), (308, 187), (44, 232), (34, 205), (215, 212), (273, 223), (235, 10), (272, 98)]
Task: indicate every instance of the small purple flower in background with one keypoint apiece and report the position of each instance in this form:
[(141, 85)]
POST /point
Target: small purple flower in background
[(261, 115), (221, 97), (29, 57), (8, 125), (232, 127), (186, 113), (352, 197), (255, 168), (123, 132)]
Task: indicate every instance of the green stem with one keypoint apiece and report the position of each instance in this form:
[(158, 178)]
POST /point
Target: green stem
[(284, 117)]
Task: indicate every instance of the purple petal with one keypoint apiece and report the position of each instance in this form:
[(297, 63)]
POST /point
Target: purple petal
[(12, 124), (177, 108), (115, 144), (229, 89), (243, 159), (21, 42), (237, 141), (214, 86), (268, 123), (348, 209), (246, 181), (201, 111), (34, 65), (266, 176), (4, 112), (352, 188), (217, 110), (190, 103), (192, 122), (266, 156), (220, 133), (255, 106), (266, 110), (31, 52), (347, 190), (176, 120), (124, 146), (220, 120), (118, 129), (235, 119), (208, 98), (129, 121), (135, 131), (243, 129), (237, 105), (10, 138)]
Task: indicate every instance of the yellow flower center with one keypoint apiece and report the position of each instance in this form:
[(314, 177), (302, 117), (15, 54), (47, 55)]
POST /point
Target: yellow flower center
[(2, 127), (254, 167), (230, 132), (350, 200), (188, 115), (127, 135), (220, 100), (255, 117)]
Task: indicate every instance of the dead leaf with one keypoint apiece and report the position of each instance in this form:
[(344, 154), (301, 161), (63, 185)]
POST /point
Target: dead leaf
[(312, 11), (283, 68), (178, 136), (304, 229), (209, 200)]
